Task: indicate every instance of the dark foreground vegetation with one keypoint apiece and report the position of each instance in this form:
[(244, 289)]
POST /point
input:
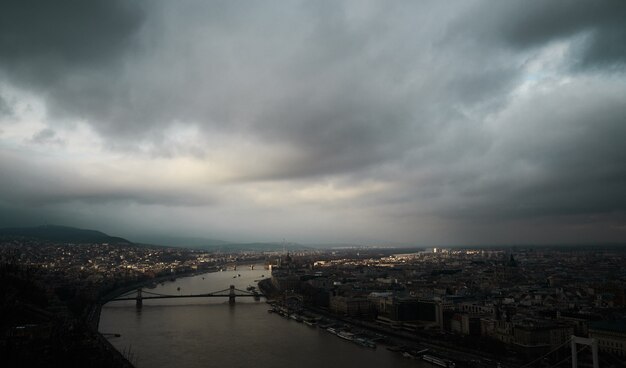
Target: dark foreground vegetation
[(43, 327)]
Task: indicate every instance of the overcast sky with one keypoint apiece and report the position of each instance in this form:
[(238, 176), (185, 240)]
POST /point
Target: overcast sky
[(409, 122)]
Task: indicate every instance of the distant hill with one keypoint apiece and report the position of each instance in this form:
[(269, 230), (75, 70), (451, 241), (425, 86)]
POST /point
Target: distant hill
[(62, 234)]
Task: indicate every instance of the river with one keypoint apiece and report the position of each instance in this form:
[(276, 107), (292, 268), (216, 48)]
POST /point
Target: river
[(208, 332)]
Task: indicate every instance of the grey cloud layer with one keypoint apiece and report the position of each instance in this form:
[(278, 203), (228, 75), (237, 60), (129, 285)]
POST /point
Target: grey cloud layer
[(39, 181), (599, 25), (417, 95), (554, 154), (44, 43)]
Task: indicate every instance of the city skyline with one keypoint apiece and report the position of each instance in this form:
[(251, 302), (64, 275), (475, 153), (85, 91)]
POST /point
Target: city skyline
[(326, 122)]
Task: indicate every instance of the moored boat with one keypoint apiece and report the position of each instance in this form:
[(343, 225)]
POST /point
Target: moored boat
[(365, 342), (346, 335), (442, 362), (408, 355)]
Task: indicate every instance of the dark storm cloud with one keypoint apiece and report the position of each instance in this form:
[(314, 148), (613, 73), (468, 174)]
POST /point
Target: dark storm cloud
[(554, 154), (438, 103), (67, 51), (361, 94), (599, 25), (44, 41), (344, 93)]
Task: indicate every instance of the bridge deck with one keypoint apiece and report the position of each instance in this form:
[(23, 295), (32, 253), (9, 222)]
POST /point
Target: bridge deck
[(190, 296)]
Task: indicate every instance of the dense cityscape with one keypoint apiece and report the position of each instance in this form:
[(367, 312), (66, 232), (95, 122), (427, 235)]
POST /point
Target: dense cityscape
[(476, 307)]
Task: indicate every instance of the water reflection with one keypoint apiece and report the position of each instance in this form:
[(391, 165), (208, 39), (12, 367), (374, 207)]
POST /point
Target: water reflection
[(201, 332)]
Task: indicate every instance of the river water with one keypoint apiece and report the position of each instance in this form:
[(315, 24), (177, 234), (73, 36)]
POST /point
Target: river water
[(208, 332)]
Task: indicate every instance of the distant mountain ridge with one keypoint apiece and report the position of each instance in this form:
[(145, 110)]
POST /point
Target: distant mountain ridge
[(63, 234)]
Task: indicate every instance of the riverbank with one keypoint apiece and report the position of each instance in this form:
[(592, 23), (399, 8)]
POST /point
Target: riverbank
[(93, 318), (267, 288), (402, 342), (111, 295)]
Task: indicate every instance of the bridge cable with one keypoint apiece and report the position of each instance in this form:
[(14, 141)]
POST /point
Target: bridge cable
[(548, 353), (569, 357)]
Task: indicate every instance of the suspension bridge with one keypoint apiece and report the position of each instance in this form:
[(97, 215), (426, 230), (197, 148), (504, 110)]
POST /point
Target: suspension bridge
[(139, 295), (573, 343)]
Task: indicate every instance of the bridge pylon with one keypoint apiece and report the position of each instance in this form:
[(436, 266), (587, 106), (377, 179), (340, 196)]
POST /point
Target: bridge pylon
[(139, 299), (584, 341), (231, 295)]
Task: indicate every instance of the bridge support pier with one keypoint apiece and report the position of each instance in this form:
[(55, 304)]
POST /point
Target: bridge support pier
[(231, 295), (584, 341), (139, 299)]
